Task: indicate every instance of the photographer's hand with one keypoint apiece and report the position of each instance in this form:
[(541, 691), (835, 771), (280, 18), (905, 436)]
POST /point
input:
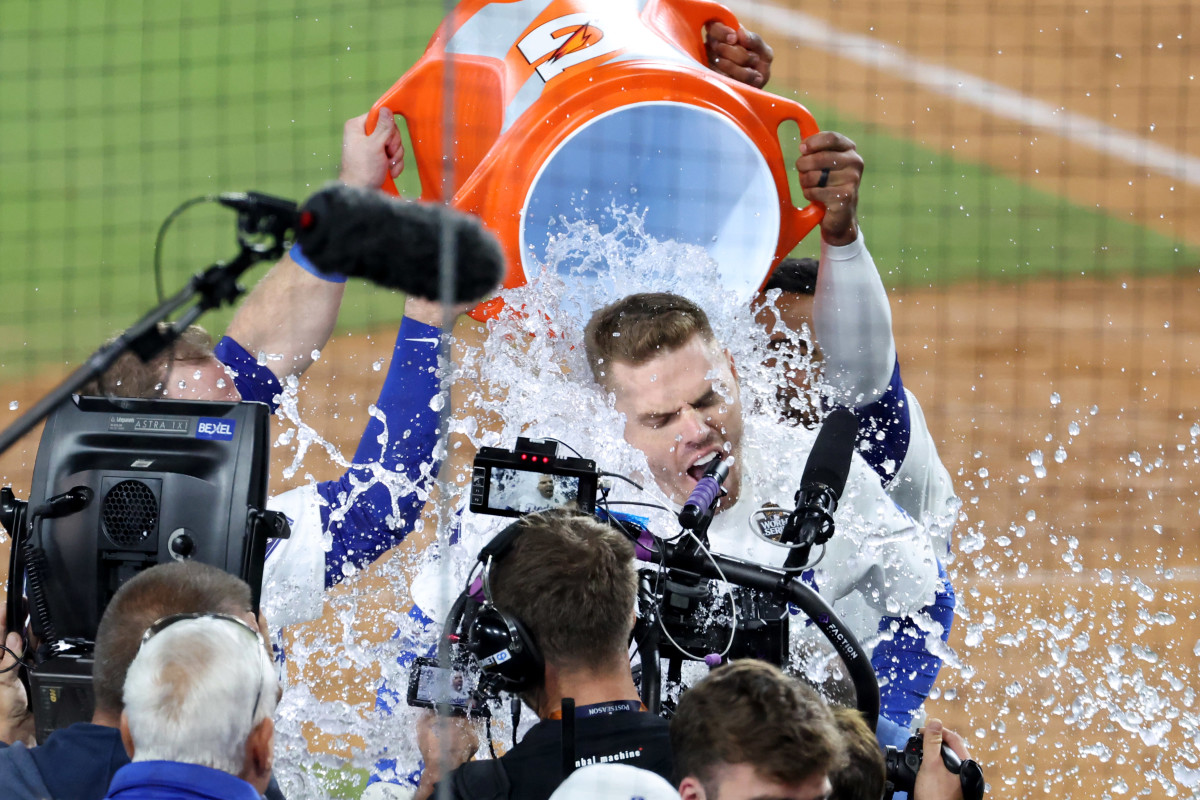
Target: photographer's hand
[(441, 758), (934, 781), (16, 723)]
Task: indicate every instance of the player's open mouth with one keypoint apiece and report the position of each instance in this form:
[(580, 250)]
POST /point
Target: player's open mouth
[(696, 470)]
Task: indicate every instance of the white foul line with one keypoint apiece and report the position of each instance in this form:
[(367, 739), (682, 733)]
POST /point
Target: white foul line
[(973, 90)]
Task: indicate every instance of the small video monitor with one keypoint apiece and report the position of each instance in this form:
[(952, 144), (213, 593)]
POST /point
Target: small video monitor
[(531, 478)]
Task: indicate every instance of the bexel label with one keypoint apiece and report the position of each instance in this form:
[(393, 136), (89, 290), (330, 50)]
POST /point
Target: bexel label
[(215, 428), (162, 426)]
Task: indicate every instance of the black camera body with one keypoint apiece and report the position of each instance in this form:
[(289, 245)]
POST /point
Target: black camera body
[(903, 765), (120, 485), (699, 619)]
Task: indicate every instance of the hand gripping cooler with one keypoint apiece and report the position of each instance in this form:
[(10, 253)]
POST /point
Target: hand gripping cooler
[(566, 107)]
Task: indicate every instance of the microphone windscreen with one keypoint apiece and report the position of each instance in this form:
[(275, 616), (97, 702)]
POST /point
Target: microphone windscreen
[(829, 461), (363, 233)]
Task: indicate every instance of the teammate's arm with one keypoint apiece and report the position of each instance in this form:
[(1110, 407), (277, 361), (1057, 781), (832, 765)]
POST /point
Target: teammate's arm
[(292, 311)]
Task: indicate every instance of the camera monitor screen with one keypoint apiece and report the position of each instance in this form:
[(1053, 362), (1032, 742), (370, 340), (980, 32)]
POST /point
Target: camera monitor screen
[(529, 492), (431, 684), (512, 483)]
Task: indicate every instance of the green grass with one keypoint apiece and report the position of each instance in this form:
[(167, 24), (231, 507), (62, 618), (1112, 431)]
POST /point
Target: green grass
[(114, 113)]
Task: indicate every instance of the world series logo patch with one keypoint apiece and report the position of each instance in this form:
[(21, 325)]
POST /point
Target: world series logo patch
[(769, 521)]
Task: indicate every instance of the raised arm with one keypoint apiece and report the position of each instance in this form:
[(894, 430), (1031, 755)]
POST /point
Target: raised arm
[(292, 311), (852, 322)]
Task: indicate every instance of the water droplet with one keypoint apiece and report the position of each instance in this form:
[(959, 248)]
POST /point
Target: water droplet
[(1073, 428), (14, 405), (378, 365), (1030, 515), (1055, 398), (1060, 455), (1143, 591)]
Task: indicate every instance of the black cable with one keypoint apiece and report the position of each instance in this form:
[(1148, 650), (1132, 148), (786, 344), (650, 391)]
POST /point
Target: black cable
[(659, 506), (564, 444), (18, 661), (630, 481), (162, 232)]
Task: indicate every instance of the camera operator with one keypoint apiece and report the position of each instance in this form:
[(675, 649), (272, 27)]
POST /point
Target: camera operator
[(79, 761), (199, 703), (570, 581)]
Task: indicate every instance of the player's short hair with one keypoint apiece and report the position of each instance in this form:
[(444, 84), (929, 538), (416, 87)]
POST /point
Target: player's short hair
[(639, 327), (177, 588), (749, 712), (129, 376), (570, 580), (863, 774), (795, 276)]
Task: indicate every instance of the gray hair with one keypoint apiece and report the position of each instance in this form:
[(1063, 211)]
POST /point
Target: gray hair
[(190, 691)]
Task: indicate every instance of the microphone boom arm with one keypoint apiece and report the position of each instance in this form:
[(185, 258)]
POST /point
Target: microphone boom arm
[(215, 286)]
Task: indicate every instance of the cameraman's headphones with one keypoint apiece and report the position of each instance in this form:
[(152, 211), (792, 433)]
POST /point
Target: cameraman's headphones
[(499, 643)]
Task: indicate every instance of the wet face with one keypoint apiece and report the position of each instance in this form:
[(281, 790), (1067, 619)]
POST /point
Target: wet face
[(744, 782), (793, 358), (208, 379), (546, 486), (682, 409)]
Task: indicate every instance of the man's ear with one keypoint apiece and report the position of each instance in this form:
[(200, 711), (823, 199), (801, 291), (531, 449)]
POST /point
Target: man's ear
[(126, 735), (260, 750), (690, 788), (732, 367)]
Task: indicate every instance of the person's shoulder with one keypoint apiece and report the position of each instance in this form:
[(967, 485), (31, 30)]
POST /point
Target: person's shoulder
[(486, 779), (19, 774)]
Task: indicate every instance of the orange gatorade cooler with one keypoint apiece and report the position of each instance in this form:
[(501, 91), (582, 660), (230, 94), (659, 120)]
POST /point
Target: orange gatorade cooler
[(530, 112)]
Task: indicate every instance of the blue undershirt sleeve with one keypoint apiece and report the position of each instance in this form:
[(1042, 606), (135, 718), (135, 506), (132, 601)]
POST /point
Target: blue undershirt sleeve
[(363, 525), (885, 429), (254, 381), (906, 667)]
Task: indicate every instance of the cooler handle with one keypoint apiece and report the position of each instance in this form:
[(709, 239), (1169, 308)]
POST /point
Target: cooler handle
[(399, 98), (773, 111), (694, 15), (389, 183)]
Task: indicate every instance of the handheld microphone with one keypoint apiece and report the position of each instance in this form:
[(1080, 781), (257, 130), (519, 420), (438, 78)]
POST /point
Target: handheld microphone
[(699, 506), (363, 233), (821, 486)]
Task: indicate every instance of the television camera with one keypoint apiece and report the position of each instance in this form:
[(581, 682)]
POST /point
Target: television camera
[(693, 605), (120, 485)]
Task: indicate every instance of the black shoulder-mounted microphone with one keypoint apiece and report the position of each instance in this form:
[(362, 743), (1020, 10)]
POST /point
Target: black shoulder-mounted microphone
[(821, 486)]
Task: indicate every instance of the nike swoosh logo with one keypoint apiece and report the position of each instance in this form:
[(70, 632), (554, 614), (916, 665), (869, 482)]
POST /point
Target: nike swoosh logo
[(424, 341)]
